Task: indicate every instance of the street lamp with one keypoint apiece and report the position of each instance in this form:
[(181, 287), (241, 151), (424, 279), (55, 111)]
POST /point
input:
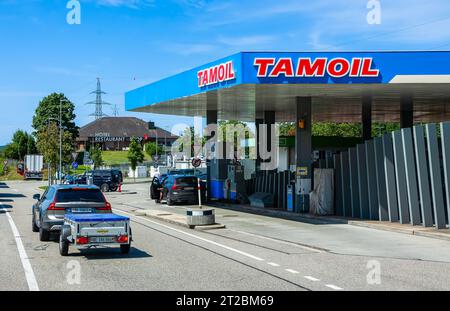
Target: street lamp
[(48, 163), (61, 100)]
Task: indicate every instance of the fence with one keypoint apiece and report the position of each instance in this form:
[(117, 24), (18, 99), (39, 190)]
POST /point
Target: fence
[(403, 176)]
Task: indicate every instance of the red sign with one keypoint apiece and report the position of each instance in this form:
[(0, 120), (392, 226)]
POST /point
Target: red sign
[(319, 67), (145, 137), (216, 74)]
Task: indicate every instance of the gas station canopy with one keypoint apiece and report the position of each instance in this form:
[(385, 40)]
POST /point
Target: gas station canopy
[(246, 84)]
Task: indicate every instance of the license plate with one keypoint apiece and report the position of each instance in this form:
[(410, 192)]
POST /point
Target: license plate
[(107, 239), (81, 210), (189, 188)]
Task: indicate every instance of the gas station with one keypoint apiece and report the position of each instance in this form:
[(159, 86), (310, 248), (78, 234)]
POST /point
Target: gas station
[(267, 88)]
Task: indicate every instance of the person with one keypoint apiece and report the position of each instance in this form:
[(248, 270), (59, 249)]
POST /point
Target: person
[(160, 189)]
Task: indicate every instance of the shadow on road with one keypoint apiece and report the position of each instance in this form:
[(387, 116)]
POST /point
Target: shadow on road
[(6, 200), (110, 253), (11, 195), (5, 206)]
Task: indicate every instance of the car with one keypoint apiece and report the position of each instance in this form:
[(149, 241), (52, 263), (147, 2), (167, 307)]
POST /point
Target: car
[(49, 210), (178, 189), (106, 180)]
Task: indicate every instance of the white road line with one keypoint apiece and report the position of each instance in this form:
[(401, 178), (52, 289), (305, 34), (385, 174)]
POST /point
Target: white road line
[(292, 271), (273, 264), (279, 241), (333, 287), (29, 274), (311, 278), (194, 236)]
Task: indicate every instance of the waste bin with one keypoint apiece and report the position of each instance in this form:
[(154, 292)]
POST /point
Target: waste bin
[(290, 197)]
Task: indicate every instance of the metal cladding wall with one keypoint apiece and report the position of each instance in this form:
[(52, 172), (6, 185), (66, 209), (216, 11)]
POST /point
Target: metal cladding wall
[(390, 66), (406, 172)]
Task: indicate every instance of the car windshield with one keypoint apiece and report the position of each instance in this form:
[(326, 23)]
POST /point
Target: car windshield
[(186, 181), (79, 195)]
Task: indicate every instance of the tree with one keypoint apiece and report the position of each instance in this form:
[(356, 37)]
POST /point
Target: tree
[(96, 155), (151, 147), (48, 108), (48, 145), (135, 153), (21, 144)]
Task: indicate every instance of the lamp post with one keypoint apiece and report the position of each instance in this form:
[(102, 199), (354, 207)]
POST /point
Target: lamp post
[(61, 100), (48, 163)]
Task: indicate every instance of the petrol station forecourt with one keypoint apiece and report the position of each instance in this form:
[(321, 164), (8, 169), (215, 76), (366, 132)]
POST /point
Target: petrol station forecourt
[(408, 87)]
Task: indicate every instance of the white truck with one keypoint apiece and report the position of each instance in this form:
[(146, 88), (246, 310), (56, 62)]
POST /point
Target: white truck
[(34, 164)]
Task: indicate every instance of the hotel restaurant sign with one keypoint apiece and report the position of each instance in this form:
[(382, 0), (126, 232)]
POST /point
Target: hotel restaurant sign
[(104, 137)]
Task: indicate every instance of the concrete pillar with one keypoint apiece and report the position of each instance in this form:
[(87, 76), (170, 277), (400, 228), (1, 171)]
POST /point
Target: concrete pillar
[(366, 117), (269, 120), (211, 118), (406, 111), (303, 151), (258, 122)]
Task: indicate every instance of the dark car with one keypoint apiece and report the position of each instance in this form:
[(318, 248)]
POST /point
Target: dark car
[(49, 210), (106, 180), (177, 189)]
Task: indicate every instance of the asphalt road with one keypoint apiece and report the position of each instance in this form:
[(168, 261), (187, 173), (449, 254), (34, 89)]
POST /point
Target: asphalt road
[(253, 253)]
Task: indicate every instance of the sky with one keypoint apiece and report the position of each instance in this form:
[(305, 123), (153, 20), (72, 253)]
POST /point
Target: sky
[(130, 43)]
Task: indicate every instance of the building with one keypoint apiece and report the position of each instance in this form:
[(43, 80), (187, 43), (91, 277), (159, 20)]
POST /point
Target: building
[(115, 133), (411, 88)]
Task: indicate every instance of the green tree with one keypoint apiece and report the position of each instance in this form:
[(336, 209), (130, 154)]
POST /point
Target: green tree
[(48, 108), (96, 155), (21, 144), (135, 153), (48, 145), (151, 147)]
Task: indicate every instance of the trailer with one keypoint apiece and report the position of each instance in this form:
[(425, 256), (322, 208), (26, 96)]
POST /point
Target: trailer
[(34, 164), (95, 230)]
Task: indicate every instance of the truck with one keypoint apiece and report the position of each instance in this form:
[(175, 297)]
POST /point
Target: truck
[(34, 164)]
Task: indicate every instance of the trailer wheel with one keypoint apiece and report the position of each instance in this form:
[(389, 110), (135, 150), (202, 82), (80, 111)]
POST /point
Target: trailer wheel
[(125, 248), (104, 187), (63, 246)]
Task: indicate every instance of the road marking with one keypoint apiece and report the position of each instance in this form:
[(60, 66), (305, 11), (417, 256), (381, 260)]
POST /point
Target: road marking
[(311, 278), (292, 271), (194, 236), (273, 264), (29, 274), (333, 287), (280, 241)]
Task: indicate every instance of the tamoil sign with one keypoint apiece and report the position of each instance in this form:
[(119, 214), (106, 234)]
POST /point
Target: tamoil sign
[(216, 74), (338, 67)]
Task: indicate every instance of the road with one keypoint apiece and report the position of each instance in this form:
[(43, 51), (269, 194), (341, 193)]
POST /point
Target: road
[(253, 253)]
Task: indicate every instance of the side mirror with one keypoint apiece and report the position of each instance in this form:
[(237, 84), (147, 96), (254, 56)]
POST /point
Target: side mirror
[(37, 197)]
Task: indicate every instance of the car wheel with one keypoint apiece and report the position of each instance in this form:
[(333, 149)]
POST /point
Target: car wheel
[(63, 246), (125, 248), (104, 187), (34, 227), (169, 201), (44, 235)]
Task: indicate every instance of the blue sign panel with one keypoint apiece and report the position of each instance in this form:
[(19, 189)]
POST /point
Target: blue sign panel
[(292, 68)]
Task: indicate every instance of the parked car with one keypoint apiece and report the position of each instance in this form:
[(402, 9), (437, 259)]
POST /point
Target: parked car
[(177, 189), (106, 180), (49, 210)]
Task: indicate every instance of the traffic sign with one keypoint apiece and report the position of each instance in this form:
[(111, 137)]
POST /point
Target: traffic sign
[(74, 155), (196, 162), (5, 162), (74, 165)]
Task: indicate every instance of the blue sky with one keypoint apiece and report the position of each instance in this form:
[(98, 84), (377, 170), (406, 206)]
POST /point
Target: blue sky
[(129, 43)]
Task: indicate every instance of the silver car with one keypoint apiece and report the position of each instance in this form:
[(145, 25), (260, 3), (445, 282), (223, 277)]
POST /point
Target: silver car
[(50, 208)]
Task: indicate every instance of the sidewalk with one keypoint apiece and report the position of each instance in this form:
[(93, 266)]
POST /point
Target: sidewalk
[(379, 225)]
